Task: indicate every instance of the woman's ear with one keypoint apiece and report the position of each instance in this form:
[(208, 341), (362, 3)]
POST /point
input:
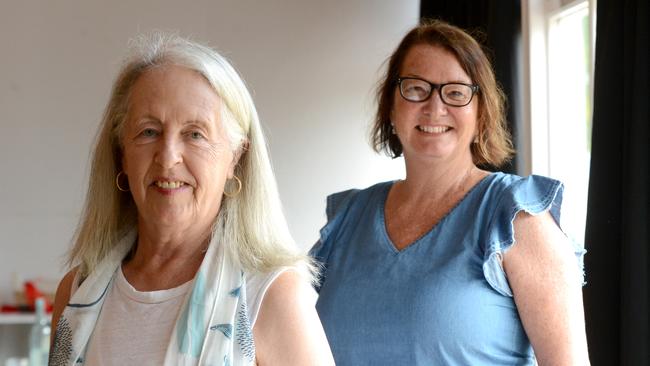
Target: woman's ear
[(243, 147), (122, 166)]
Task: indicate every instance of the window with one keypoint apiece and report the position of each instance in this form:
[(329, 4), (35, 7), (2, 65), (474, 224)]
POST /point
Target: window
[(560, 38)]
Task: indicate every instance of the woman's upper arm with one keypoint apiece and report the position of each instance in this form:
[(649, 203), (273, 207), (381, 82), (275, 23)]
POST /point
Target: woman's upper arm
[(288, 330), (61, 299), (546, 282)]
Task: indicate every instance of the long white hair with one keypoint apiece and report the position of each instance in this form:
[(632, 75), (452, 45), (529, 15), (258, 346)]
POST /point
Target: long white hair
[(251, 224)]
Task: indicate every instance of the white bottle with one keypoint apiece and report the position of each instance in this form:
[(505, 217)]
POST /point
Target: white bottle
[(39, 336)]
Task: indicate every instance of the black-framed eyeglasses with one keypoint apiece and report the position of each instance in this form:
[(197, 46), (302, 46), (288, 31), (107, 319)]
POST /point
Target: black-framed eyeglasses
[(418, 90)]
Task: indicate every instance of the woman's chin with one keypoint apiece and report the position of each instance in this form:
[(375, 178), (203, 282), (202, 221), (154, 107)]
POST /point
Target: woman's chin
[(437, 152), (433, 153), (168, 218)]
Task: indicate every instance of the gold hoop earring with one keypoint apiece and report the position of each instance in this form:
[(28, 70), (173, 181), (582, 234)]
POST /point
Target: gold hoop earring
[(233, 194), (117, 182)]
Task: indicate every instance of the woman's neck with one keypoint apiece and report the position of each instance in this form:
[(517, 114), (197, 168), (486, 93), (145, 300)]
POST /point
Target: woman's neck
[(434, 181), (164, 259), (170, 242)]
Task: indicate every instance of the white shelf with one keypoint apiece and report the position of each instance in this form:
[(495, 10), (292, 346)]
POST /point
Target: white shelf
[(17, 318)]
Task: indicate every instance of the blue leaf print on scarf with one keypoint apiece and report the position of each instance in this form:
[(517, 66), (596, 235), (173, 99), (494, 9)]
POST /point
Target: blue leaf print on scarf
[(226, 329), (235, 292), (61, 351), (189, 334), (244, 333)]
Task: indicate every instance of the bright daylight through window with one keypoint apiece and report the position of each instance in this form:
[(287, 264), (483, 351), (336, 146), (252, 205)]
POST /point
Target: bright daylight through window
[(561, 135)]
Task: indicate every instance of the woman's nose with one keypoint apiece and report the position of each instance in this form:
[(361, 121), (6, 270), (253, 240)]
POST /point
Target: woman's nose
[(435, 104), (169, 153)]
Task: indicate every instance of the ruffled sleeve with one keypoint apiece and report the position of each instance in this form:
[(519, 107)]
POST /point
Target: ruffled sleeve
[(337, 206), (533, 195)]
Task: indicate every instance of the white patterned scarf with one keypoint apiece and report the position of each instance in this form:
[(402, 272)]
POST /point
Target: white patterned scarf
[(213, 327)]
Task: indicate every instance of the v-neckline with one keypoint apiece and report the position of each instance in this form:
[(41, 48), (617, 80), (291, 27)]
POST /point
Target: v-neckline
[(382, 212)]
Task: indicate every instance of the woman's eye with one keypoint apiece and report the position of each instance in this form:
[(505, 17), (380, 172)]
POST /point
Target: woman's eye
[(457, 94), (149, 132), (416, 90), (195, 135)]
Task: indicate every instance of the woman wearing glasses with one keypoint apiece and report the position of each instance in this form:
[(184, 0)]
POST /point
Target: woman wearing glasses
[(452, 265)]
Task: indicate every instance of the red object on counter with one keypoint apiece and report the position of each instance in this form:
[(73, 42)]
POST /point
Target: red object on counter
[(10, 309), (32, 293)]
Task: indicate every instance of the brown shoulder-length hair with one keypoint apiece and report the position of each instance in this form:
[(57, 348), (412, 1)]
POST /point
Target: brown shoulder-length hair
[(494, 145)]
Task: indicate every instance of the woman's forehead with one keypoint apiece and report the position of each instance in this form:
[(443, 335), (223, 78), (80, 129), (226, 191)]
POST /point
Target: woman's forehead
[(173, 88), (433, 63)]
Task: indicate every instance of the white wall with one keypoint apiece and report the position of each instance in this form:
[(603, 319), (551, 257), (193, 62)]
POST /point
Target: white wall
[(311, 66)]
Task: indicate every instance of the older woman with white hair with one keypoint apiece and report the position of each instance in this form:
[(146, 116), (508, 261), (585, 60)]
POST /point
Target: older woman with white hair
[(183, 255)]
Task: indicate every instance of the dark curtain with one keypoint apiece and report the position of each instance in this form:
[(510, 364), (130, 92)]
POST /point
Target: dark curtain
[(496, 24), (616, 295)]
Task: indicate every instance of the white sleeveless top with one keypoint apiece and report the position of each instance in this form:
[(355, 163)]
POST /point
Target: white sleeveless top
[(134, 327)]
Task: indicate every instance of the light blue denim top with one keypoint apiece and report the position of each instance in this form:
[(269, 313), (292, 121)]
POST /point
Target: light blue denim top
[(444, 299)]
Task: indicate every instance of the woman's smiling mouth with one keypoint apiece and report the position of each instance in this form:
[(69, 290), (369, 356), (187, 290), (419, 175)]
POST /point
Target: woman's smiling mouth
[(169, 184), (433, 129)]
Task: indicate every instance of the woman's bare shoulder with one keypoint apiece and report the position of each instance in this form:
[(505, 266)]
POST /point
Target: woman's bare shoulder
[(288, 309)]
